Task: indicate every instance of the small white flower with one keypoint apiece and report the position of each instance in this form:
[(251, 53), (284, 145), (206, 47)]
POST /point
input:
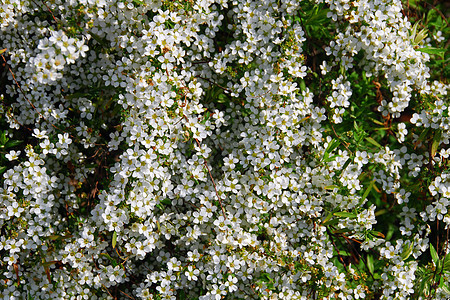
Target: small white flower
[(12, 155)]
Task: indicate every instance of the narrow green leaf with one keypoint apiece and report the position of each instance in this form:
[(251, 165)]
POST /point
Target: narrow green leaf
[(366, 192), (166, 202), (436, 143), (377, 122), (434, 255), (390, 232), (343, 230), (344, 214), (114, 239), (421, 35), (98, 39), (377, 233), (373, 142), (331, 187), (112, 260), (407, 251), (382, 128), (381, 212), (424, 134), (2, 169), (12, 143), (157, 225), (331, 146), (2, 51), (349, 160), (3, 138), (47, 264), (327, 219), (331, 222), (431, 50), (344, 253), (445, 287), (58, 237), (331, 158), (302, 85), (424, 286), (446, 263), (303, 120), (370, 263), (413, 31)]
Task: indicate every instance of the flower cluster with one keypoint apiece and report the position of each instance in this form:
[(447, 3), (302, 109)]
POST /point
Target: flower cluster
[(184, 149)]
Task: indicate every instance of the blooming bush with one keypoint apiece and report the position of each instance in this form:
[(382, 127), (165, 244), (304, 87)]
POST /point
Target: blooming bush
[(156, 149)]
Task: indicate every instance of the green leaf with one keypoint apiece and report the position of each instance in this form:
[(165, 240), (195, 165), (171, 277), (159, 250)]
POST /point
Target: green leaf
[(12, 143), (434, 51), (327, 219), (377, 122), (390, 232), (265, 277), (373, 142), (166, 202), (3, 138), (331, 222), (222, 98), (303, 120), (58, 237), (331, 187), (319, 18), (424, 134), (445, 288), (114, 239), (366, 192), (344, 214), (2, 51), (343, 230), (377, 234), (331, 158), (331, 146), (446, 263), (302, 85), (370, 263), (381, 212), (434, 255), (407, 251), (349, 160), (343, 253), (424, 285), (47, 264), (100, 40), (382, 128), (112, 260), (436, 143), (157, 225), (2, 169)]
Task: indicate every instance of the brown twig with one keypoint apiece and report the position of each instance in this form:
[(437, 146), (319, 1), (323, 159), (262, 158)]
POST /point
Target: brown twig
[(23, 93), (212, 82), (48, 8), (212, 179), (127, 295)]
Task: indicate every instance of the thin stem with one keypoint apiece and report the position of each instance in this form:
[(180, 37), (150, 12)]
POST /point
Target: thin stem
[(212, 179)]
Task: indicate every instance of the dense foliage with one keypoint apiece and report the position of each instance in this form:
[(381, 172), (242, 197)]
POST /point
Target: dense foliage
[(211, 149)]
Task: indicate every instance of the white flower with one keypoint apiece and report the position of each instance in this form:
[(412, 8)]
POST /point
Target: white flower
[(12, 155)]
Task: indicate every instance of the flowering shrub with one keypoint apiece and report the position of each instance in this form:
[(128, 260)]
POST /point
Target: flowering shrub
[(223, 149)]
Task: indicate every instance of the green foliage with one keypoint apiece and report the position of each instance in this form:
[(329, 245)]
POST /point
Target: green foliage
[(363, 129)]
